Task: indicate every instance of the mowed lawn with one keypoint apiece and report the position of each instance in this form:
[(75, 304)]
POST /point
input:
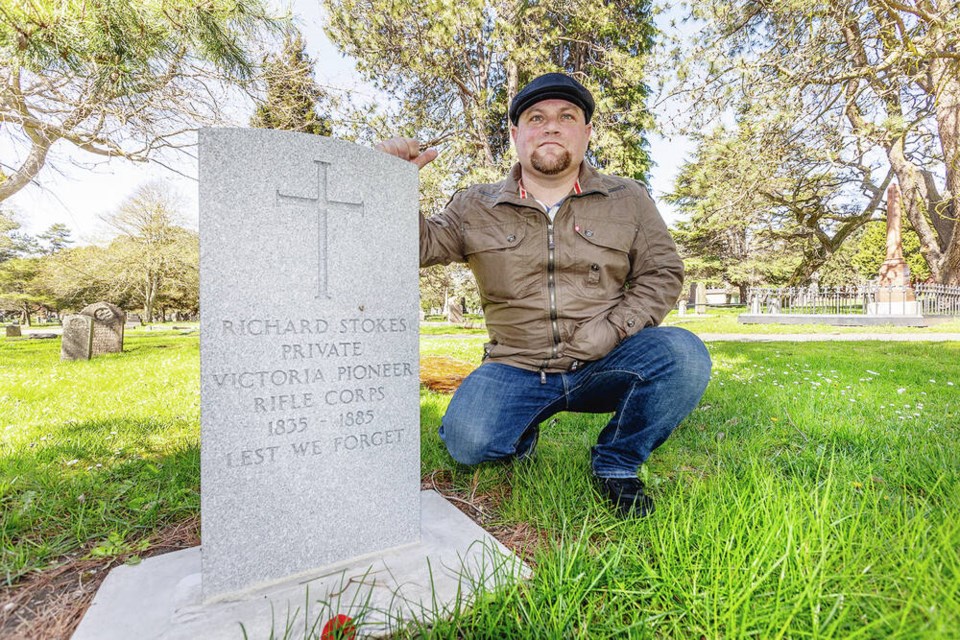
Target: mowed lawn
[(814, 493)]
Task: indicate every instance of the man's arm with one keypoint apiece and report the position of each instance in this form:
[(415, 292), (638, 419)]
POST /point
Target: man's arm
[(440, 240), (650, 289), (656, 275)]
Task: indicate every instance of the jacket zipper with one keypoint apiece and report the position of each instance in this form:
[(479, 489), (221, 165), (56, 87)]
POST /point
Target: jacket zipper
[(552, 289)]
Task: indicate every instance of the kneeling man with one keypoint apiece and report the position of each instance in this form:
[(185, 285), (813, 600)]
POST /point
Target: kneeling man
[(576, 270)]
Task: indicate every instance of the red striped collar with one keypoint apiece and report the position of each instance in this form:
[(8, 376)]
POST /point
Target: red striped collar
[(523, 192)]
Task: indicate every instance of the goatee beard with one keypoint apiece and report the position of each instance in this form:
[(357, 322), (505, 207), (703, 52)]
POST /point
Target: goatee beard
[(559, 163)]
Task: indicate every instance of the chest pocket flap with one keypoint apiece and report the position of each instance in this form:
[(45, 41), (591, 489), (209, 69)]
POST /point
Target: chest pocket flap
[(604, 233), (492, 237)]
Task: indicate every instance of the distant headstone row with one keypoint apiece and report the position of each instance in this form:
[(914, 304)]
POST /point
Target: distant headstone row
[(98, 329)]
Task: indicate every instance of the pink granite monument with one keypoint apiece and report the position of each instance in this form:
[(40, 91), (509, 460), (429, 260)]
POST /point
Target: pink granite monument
[(895, 295)]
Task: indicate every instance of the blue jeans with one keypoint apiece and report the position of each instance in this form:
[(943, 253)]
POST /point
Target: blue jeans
[(651, 381)]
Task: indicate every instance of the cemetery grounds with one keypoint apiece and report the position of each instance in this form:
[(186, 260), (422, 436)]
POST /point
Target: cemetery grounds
[(814, 493)]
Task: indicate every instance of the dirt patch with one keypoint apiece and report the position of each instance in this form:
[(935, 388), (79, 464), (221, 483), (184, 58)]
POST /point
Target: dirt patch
[(521, 538), (442, 373), (49, 605)]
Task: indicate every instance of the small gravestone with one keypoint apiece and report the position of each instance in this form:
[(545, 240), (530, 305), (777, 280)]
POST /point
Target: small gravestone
[(701, 299), (310, 427), (108, 321), (133, 321), (455, 313), (13, 331), (77, 341), (682, 308)]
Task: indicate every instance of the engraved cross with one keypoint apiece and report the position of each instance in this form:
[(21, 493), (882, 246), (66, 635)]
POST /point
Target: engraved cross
[(323, 204)]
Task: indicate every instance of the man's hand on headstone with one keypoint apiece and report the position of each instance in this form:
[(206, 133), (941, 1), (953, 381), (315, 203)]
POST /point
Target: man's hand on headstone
[(408, 149)]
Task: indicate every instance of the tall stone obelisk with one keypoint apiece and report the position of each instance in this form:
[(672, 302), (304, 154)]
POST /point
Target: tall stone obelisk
[(894, 272)]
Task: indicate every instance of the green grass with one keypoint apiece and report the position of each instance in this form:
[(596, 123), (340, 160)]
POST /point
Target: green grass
[(99, 452), (724, 320), (813, 494)]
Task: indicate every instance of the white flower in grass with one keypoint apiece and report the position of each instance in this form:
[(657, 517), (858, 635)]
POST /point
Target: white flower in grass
[(70, 463), (932, 381), (901, 390), (873, 373), (949, 384)]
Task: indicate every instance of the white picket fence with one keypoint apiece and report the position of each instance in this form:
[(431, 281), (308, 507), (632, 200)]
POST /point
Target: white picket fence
[(933, 299)]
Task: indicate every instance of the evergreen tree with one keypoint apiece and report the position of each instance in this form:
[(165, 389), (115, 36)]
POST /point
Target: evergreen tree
[(292, 92), (116, 78), (454, 68), (56, 238)]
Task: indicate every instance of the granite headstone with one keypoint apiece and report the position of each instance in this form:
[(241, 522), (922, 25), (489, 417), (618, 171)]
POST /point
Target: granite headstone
[(108, 321), (309, 356), (13, 331), (310, 430), (77, 340), (700, 300)]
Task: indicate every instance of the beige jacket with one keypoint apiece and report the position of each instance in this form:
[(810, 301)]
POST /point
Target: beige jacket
[(557, 295)]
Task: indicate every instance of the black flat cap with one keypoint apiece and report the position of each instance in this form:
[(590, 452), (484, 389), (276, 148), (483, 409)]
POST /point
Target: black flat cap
[(552, 86)]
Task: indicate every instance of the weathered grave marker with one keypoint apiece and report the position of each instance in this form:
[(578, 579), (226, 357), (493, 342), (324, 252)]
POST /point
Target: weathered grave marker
[(13, 331), (700, 300), (108, 321), (454, 313), (77, 340)]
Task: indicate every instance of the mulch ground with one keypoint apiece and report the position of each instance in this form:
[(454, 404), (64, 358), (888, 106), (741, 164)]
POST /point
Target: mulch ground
[(48, 605), (443, 373)]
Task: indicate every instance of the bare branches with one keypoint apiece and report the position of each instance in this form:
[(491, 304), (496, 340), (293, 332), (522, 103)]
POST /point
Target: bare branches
[(159, 71)]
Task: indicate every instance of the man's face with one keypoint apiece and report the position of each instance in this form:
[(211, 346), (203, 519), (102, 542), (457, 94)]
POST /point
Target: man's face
[(551, 138)]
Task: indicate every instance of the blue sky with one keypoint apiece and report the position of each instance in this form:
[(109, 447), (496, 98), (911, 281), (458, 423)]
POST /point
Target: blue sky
[(74, 188)]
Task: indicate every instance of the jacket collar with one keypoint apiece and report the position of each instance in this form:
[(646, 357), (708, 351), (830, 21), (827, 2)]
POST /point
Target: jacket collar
[(512, 191)]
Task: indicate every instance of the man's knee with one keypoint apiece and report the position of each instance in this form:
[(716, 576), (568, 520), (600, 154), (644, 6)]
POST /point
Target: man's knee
[(674, 353), (467, 443), (689, 354)]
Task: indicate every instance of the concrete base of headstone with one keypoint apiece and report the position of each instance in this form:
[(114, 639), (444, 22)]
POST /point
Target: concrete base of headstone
[(160, 597), (894, 308), (839, 320)]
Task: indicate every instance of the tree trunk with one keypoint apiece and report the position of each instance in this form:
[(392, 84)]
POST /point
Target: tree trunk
[(149, 296), (916, 199), (944, 215), (29, 169)]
